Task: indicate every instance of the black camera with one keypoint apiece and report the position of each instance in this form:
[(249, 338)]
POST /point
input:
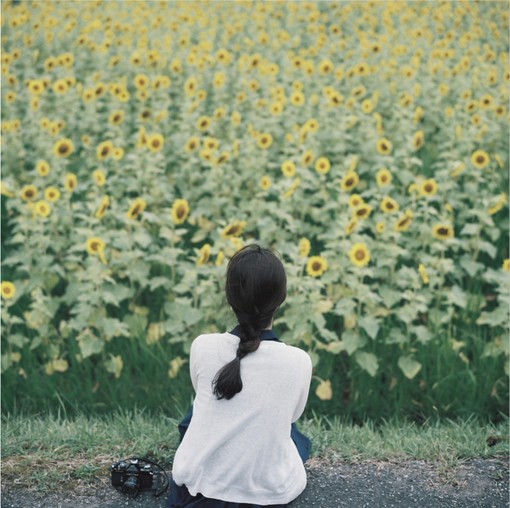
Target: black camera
[(130, 476)]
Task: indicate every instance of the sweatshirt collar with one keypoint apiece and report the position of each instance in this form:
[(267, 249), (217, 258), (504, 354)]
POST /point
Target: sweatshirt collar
[(265, 334)]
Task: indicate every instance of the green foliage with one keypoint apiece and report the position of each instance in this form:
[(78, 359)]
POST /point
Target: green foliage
[(404, 310)]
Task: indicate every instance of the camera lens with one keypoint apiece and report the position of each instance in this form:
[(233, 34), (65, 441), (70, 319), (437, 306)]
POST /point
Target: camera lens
[(130, 486)]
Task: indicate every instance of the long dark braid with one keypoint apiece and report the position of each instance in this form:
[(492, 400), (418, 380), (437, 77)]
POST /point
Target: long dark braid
[(256, 286)]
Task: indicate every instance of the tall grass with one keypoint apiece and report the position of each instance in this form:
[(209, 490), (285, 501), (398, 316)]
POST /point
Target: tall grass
[(450, 386)]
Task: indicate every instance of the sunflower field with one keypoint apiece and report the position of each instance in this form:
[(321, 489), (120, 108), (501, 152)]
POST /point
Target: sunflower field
[(143, 143)]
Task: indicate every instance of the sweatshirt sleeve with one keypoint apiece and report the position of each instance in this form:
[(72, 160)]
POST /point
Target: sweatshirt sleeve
[(194, 362), (306, 378)]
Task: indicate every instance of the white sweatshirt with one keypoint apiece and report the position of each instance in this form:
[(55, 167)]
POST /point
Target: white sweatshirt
[(240, 450)]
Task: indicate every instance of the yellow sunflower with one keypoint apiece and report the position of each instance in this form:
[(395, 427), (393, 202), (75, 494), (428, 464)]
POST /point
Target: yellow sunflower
[(222, 158), (316, 266), (71, 182), (52, 194), (219, 80), (155, 142), (265, 140), (8, 289), (118, 153), (104, 150), (100, 90), (322, 165), (423, 273), (384, 177), (297, 98), (355, 200), (233, 230), (203, 123), (237, 243), (359, 91), (190, 87), (117, 117), (60, 86), (42, 208), (141, 81), (276, 108), (63, 147), (500, 111), (380, 227), (206, 154), (236, 118), (192, 144), (359, 254), (404, 222), (367, 106), (389, 205), (326, 66), (349, 181), (428, 187), (471, 106), (384, 146), (289, 168), (362, 211), (308, 158), (443, 231), (480, 159), (99, 177), (205, 254), (487, 101), (180, 211), (336, 98), (418, 140), (219, 258), (219, 113), (4, 190), (136, 208), (476, 120), (312, 125), (95, 247), (353, 224), (43, 168), (101, 211), (265, 182), (304, 247), (36, 86), (353, 164)]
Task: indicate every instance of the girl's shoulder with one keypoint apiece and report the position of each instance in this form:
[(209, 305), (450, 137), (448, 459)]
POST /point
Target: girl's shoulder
[(298, 353), (289, 352), (213, 340)]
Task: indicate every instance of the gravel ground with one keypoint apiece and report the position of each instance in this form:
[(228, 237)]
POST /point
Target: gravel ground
[(475, 483)]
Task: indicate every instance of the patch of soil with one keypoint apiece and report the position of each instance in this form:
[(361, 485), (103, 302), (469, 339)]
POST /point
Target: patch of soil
[(477, 482)]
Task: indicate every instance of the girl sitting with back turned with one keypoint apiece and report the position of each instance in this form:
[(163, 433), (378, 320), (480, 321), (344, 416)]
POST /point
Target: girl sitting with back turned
[(250, 387)]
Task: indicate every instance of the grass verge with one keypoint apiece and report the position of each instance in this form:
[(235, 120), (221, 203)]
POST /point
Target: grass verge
[(50, 452)]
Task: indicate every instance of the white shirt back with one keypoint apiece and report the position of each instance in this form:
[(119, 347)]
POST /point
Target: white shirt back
[(240, 450)]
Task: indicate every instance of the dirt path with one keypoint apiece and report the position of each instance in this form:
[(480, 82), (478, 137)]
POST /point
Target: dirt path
[(475, 483)]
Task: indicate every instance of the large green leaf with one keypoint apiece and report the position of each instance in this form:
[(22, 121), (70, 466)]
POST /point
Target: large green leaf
[(368, 362), (89, 344), (370, 324), (352, 341), (409, 366)]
